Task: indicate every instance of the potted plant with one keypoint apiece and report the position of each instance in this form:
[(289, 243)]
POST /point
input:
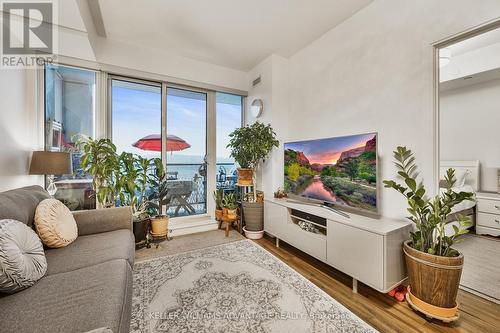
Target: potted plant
[(249, 146), (434, 267), (218, 197), (99, 160), (157, 199), (229, 203)]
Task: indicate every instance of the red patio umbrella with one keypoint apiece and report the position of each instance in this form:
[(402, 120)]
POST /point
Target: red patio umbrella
[(153, 143)]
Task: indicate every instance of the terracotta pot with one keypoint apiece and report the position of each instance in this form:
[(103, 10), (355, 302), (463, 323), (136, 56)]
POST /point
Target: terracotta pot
[(159, 226), (232, 213), (224, 211), (253, 213), (433, 280), (245, 176), (218, 214)]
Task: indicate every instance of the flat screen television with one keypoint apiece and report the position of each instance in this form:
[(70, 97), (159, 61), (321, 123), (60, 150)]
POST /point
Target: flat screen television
[(340, 171)]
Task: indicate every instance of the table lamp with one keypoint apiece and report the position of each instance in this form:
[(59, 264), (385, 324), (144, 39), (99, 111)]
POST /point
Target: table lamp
[(50, 163)]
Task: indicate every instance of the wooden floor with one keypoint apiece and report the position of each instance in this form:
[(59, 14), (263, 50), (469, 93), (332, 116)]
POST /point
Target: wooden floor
[(379, 310)]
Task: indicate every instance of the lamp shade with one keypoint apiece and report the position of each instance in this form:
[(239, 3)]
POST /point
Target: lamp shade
[(50, 163)]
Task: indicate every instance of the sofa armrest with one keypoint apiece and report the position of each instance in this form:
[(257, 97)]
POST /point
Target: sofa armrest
[(102, 220)]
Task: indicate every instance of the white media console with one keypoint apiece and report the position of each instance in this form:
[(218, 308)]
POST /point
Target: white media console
[(367, 249)]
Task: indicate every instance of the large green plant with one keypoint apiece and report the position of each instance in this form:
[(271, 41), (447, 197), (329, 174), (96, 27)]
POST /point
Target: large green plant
[(429, 214), (252, 143), (99, 159)]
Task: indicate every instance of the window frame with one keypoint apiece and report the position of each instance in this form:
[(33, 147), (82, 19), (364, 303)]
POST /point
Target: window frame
[(103, 113)]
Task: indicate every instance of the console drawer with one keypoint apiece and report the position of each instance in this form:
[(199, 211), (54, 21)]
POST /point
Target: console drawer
[(488, 206), (488, 220)]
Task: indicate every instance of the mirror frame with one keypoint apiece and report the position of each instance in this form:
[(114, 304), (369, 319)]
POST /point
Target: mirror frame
[(461, 36)]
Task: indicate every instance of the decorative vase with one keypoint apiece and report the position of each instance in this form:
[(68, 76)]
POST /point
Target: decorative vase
[(434, 282), (245, 176), (218, 214), (159, 226), (253, 213), (232, 213)]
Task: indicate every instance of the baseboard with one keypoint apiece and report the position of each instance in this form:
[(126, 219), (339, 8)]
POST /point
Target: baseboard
[(179, 228)]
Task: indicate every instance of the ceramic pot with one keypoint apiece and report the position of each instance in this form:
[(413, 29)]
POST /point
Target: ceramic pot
[(140, 229), (218, 214), (245, 176), (253, 234), (232, 213)]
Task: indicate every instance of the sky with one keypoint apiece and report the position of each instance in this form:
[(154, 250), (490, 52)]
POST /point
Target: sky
[(327, 151), (137, 113)]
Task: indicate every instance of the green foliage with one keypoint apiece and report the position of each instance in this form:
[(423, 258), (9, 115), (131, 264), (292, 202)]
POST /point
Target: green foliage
[(125, 179), (351, 192), (99, 160), (351, 168), (429, 215), (218, 197), (294, 172), (229, 201), (252, 143)]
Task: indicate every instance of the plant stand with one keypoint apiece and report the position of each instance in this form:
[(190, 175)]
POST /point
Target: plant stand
[(229, 222), (446, 315)]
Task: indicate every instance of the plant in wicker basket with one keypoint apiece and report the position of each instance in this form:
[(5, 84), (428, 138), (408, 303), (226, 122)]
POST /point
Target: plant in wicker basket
[(429, 254)]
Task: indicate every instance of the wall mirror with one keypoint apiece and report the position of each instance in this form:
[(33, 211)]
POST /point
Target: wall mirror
[(468, 114)]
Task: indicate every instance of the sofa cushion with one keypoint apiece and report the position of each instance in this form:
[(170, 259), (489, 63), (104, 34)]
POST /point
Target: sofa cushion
[(91, 250), (55, 224), (76, 301), (22, 260), (20, 204)]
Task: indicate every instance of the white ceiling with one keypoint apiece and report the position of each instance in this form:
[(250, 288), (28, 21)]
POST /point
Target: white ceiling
[(232, 33)]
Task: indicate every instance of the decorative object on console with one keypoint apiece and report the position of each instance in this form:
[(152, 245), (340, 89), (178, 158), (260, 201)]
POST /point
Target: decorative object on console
[(50, 163), (429, 254), (280, 193), (250, 145), (22, 260)]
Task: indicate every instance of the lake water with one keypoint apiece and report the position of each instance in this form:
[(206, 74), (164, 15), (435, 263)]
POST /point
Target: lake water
[(316, 190)]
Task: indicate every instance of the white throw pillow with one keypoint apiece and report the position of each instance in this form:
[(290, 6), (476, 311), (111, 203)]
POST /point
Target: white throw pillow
[(461, 177), (55, 224), (22, 260)]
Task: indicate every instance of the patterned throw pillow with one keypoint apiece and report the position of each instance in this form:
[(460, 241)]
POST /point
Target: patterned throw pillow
[(55, 224), (22, 260)]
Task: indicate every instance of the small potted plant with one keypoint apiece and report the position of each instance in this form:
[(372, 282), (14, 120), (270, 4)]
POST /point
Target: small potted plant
[(157, 199), (218, 197), (249, 146), (434, 267), (229, 203)]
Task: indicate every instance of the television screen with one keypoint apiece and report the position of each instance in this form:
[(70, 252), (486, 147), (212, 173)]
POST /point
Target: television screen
[(341, 170)]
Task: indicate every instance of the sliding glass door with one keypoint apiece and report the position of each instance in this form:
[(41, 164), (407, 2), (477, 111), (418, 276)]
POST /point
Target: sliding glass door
[(186, 151)]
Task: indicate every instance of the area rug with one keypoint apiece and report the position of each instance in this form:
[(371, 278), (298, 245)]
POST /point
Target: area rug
[(481, 272), (235, 287)]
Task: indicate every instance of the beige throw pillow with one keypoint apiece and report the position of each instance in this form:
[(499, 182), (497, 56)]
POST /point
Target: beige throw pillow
[(55, 224)]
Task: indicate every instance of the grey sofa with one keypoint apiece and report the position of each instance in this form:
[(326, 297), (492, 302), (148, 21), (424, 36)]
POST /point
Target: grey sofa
[(88, 284)]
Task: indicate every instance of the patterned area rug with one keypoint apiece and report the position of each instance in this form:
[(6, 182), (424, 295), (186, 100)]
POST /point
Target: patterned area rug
[(235, 287)]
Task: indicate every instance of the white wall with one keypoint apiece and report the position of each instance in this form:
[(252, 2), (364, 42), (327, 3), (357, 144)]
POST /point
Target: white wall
[(18, 128), (374, 73), (469, 128)]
